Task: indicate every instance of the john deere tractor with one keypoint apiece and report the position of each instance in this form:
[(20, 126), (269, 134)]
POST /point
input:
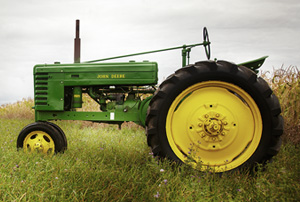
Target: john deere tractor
[(213, 114)]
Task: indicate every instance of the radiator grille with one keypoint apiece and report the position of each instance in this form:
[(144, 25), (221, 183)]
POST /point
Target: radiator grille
[(41, 89)]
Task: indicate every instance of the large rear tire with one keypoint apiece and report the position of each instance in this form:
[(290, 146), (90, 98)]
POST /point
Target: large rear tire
[(215, 115)]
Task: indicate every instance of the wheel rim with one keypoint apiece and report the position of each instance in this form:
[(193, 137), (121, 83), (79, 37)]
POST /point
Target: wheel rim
[(40, 142), (215, 125)]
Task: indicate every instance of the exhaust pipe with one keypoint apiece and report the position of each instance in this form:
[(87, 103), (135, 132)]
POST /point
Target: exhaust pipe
[(77, 44)]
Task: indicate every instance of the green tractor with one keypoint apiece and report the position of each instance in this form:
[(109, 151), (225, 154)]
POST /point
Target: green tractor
[(213, 114)]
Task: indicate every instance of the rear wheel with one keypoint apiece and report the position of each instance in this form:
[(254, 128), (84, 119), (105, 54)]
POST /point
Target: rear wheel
[(214, 115), (42, 137)]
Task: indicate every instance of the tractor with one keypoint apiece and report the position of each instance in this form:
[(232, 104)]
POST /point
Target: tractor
[(212, 114)]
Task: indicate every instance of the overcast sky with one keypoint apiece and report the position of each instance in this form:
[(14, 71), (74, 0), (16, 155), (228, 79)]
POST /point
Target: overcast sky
[(37, 32)]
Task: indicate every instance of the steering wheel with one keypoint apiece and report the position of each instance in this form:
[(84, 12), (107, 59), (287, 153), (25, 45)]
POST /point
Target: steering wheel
[(206, 43)]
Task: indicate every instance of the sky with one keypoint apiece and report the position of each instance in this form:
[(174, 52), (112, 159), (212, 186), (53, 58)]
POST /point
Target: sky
[(38, 32)]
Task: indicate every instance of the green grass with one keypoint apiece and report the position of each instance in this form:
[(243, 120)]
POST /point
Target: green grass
[(103, 163)]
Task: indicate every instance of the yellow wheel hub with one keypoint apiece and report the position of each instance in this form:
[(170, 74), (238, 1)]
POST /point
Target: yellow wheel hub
[(40, 142), (213, 128), (214, 123)]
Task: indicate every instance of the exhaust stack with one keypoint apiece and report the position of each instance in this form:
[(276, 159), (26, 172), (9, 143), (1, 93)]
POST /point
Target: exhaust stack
[(77, 44)]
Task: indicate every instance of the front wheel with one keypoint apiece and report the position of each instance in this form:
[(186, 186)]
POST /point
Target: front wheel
[(42, 137), (215, 116)]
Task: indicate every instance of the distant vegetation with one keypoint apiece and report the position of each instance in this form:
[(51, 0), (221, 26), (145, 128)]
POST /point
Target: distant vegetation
[(285, 83), (103, 163)]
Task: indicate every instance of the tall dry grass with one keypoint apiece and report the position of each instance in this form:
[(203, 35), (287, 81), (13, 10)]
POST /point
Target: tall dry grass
[(19, 110), (285, 83)]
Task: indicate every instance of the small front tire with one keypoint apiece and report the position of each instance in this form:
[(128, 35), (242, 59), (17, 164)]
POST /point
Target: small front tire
[(42, 137)]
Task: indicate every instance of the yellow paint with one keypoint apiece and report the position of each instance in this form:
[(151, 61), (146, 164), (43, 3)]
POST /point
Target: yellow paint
[(39, 141), (102, 76), (118, 76), (217, 124), (112, 76)]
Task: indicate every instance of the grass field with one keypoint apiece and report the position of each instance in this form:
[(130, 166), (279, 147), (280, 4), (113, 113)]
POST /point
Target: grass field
[(103, 163)]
